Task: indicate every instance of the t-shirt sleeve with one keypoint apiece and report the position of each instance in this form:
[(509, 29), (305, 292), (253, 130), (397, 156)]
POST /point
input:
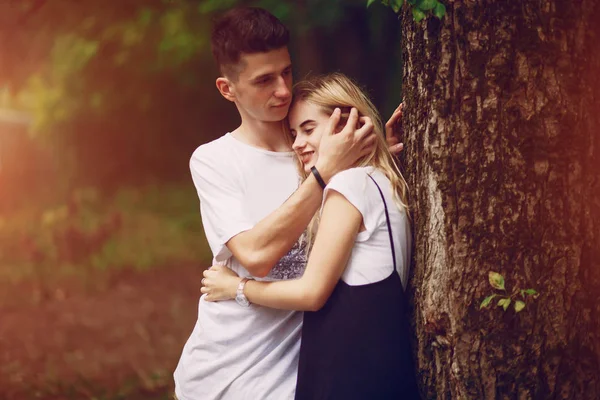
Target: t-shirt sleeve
[(221, 203), (356, 186)]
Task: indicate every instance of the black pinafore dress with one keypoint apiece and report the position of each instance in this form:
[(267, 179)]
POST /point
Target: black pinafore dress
[(357, 346)]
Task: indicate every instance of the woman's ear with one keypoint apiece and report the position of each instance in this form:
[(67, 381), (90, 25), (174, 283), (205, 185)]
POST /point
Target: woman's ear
[(225, 88)]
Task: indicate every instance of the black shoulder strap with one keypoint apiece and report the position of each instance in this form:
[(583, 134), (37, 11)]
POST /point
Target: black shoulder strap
[(387, 219)]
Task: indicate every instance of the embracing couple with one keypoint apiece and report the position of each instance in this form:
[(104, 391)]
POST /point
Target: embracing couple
[(304, 210)]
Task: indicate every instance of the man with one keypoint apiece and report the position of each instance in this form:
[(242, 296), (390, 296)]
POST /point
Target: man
[(254, 213)]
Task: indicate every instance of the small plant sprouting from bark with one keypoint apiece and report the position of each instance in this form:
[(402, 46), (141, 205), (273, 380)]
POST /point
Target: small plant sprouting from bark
[(517, 297), (420, 8)]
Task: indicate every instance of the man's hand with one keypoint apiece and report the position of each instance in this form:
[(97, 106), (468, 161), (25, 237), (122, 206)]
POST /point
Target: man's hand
[(340, 151), (393, 128)]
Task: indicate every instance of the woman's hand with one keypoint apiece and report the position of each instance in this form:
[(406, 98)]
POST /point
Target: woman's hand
[(393, 129), (219, 283)]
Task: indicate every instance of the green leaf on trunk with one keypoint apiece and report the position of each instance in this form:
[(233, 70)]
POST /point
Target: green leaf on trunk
[(369, 2), (396, 5), (418, 15), (530, 292), (519, 305), (486, 301), (496, 280), (504, 303), (440, 10), (426, 5)]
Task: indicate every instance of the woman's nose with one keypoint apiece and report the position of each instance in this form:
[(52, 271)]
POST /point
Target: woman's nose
[(299, 143)]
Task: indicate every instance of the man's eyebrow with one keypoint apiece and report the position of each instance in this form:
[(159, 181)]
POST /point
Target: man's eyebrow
[(270, 74), (263, 76)]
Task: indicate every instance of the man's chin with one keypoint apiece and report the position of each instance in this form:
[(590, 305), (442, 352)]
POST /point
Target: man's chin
[(280, 113), (274, 118)]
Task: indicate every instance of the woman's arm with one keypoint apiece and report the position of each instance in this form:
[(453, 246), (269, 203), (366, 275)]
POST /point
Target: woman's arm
[(339, 225)]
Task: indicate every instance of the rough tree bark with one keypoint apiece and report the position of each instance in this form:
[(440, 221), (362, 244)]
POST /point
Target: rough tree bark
[(503, 119)]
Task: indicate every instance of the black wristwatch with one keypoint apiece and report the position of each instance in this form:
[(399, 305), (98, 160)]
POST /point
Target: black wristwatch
[(318, 177)]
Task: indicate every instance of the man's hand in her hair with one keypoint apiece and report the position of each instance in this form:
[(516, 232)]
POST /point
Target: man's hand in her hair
[(340, 151)]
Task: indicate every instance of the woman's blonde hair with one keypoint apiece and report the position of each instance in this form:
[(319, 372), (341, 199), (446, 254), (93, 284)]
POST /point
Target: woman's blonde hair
[(338, 91)]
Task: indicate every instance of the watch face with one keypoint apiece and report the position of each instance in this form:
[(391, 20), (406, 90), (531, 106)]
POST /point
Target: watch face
[(242, 301)]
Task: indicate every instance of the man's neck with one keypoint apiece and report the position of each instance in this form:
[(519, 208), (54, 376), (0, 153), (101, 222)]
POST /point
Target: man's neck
[(264, 135)]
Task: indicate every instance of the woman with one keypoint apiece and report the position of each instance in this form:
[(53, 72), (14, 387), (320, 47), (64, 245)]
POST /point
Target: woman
[(355, 342)]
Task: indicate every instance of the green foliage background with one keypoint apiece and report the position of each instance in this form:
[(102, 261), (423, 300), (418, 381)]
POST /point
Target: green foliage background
[(121, 93)]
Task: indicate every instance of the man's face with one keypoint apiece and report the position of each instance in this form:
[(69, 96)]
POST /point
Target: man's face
[(263, 90)]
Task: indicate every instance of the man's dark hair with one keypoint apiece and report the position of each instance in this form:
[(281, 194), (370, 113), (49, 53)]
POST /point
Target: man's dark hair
[(245, 30)]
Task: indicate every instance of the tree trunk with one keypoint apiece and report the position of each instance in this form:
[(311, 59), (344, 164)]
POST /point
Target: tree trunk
[(502, 119)]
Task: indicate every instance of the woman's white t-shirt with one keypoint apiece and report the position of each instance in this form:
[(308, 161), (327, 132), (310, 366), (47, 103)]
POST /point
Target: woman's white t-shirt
[(371, 258)]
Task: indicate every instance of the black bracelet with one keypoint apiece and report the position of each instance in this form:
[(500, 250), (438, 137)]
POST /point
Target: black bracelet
[(318, 177)]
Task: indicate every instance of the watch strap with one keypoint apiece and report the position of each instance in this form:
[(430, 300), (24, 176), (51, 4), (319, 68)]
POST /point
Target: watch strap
[(240, 296), (318, 177)]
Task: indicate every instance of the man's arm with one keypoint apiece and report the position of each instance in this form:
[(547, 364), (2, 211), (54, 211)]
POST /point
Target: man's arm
[(259, 248), (333, 245)]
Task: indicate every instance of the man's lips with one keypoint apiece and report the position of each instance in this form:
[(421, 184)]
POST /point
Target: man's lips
[(282, 105)]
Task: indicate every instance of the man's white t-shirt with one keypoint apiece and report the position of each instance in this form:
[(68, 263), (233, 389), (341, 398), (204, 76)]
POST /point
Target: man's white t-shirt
[(371, 257), (236, 352)]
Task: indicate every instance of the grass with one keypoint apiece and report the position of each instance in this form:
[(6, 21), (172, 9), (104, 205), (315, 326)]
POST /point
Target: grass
[(98, 294), (118, 342)]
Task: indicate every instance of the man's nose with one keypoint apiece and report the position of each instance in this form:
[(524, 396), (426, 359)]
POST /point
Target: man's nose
[(282, 91)]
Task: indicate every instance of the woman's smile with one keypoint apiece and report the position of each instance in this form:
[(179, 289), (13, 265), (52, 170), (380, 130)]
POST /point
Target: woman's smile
[(306, 156)]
